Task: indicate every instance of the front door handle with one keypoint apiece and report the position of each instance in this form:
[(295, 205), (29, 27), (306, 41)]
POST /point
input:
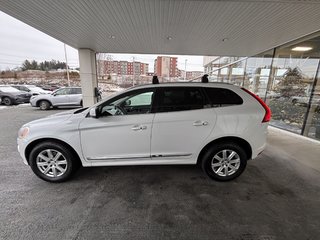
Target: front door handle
[(200, 123), (139, 127)]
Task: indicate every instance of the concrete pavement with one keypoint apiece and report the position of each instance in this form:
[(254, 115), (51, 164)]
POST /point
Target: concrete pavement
[(277, 197)]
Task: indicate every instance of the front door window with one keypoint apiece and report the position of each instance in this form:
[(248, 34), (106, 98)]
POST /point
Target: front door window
[(129, 104)]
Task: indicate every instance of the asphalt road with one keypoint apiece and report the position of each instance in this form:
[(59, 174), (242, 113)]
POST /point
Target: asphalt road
[(275, 198)]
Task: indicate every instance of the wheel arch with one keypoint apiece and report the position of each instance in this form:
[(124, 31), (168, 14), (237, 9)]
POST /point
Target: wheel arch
[(38, 102), (41, 140), (8, 96), (240, 141)]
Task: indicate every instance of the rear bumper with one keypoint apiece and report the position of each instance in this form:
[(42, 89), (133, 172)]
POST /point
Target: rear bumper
[(33, 103), (258, 151), (259, 142)]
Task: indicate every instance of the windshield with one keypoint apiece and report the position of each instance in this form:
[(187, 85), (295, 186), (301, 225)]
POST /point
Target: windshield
[(8, 89)]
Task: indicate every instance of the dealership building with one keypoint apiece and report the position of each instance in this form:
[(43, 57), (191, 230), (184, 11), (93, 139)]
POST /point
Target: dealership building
[(286, 77), (270, 47)]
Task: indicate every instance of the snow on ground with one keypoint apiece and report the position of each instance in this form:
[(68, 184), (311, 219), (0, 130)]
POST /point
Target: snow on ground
[(2, 107)]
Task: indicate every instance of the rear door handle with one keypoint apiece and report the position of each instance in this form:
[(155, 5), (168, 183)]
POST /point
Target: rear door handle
[(139, 127), (200, 123)]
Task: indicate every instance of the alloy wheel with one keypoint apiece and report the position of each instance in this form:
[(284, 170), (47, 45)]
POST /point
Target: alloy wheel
[(225, 163), (51, 163)]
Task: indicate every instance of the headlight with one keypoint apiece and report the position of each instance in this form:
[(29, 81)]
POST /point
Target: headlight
[(23, 132)]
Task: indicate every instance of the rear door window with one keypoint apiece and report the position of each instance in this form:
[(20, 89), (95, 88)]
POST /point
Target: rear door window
[(172, 99)]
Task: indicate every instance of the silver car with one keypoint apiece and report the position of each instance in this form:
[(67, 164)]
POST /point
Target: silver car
[(66, 96), (34, 90)]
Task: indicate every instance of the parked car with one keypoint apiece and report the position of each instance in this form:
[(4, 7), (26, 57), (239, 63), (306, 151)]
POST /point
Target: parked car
[(34, 90), (219, 126), (66, 96), (49, 87), (273, 95), (11, 96), (304, 100)]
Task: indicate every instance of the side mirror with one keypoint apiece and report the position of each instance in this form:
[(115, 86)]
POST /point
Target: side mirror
[(93, 113)]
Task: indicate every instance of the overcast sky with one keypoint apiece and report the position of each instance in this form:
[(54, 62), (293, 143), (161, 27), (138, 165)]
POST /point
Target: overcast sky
[(19, 41)]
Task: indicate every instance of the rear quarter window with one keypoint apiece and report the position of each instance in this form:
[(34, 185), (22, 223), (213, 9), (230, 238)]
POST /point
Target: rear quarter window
[(76, 91), (222, 97)]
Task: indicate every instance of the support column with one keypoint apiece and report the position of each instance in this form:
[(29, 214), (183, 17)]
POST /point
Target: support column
[(88, 76)]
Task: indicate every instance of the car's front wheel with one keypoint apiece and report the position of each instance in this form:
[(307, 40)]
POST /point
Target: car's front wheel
[(44, 105), (53, 162), (224, 161)]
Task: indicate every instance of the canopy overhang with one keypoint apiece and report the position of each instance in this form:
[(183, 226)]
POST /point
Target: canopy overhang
[(193, 27)]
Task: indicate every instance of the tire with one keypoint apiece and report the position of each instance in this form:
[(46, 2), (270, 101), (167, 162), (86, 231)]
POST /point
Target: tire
[(81, 103), (294, 101), (7, 101), (44, 105), (53, 162), (219, 165)]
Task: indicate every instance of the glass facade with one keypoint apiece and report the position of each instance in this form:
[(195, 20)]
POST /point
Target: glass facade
[(286, 78)]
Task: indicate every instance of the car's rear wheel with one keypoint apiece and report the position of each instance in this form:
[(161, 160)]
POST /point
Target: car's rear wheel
[(7, 101), (44, 105), (224, 162), (53, 162)]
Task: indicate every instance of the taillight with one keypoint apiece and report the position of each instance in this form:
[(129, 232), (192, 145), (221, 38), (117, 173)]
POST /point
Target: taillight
[(267, 115)]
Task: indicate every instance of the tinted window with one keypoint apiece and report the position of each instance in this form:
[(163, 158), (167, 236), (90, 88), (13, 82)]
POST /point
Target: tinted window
[(179, 99), (76, 91), (222, 96)]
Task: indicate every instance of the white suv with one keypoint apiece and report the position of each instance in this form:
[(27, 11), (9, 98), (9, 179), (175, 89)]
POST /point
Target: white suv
[(66, 96), (219, 126)]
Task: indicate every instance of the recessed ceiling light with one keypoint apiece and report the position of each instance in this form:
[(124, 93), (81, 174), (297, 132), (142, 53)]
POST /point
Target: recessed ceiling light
[(225, 39), (169, 38), (112, 36), (301, 49)]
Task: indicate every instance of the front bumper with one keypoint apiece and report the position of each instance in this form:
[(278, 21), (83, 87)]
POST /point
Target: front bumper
[(21, 149), (33, 102)]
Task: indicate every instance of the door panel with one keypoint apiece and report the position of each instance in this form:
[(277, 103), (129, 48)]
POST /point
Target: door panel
[(75, 99), (179, 134), (61, 97), (117, 137), (60, 100), (75, 96)]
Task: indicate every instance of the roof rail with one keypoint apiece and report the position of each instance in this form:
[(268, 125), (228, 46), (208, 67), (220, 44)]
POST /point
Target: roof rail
[(155, 79)]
